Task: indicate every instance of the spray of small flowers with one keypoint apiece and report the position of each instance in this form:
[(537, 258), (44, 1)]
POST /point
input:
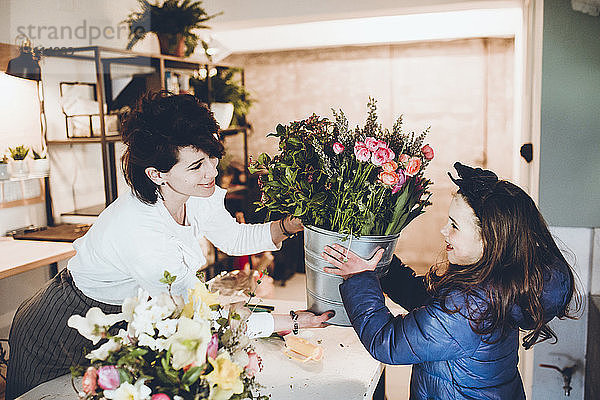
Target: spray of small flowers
[(362, 181), (168, 348)]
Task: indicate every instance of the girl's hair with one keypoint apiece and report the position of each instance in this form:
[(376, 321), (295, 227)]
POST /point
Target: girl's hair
[(517, 249), (156, 129)]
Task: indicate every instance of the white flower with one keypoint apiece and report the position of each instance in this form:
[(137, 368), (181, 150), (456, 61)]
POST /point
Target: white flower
[(102, 352), (154, 344), (142, 322), (127, 391), (124, 335), (131, 303), (166, 327), (95, 323), (188, 345)]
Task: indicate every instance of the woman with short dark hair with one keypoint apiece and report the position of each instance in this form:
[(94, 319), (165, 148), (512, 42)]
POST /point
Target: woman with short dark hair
[(170, 164)]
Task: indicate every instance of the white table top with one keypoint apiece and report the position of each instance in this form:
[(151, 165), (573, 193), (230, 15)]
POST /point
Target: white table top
[(24, 255), (347, 371)]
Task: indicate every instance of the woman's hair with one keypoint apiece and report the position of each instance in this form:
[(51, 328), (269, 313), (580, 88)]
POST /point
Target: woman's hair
[(156, 129), (517, 249)]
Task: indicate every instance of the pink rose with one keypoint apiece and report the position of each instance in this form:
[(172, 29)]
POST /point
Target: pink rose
[(390, 166), (427, 152), (160, 396), (253, 363), (382, 155), (213, 346), (388, 178), (362, 153), (400, 183), (414, 165), (373, 144), (403, 158), (338, 148), (89, 381), (108, 377)]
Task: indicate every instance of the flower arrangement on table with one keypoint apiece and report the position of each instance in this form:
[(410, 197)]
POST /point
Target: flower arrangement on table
[(362, 181), (170, 349)]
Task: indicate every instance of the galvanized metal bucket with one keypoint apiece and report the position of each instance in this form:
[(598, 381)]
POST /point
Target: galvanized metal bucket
[(322, 288)]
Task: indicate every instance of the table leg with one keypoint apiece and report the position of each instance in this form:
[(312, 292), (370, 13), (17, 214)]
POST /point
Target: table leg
[(53, 270), (379, 393)]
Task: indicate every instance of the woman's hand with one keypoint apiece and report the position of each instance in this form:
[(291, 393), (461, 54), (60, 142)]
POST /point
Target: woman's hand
[(293, 224), (285, 228), (346, 262)]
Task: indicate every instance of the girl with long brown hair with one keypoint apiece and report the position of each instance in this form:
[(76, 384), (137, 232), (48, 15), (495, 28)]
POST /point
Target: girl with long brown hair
[(504, 273)]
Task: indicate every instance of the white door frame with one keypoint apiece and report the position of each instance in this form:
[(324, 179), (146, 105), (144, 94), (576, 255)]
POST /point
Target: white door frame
[(528, 52)]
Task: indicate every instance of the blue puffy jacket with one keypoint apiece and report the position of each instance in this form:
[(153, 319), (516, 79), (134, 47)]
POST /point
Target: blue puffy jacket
[(450, 360)]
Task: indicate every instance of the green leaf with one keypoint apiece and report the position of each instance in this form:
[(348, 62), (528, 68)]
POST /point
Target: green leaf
[(168, 279), (125, 376), (280, 129), (192, 375)]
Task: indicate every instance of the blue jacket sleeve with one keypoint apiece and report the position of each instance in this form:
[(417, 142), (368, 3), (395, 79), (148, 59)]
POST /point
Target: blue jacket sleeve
[(425, 334)]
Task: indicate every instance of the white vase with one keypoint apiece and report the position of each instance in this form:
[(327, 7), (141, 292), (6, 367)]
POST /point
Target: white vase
[(4, 175), (223, 113), (19, 169), (40, 167)]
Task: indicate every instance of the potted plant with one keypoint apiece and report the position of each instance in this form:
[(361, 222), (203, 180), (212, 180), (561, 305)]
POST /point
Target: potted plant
[(4, 175), (173, 21), (19, 164), (40, 165), (225, 89), (357, 187)]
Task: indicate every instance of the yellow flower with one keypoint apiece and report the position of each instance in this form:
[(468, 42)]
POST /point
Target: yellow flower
[(225, 378), (199, 296)]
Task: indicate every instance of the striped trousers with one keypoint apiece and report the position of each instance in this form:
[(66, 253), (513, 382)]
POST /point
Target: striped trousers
[(42, 346)]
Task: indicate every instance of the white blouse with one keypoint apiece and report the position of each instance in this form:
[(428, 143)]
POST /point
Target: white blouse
[(132, 243)]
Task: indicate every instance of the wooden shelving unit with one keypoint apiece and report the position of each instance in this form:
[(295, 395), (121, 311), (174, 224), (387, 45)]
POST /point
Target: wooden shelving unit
[(104, 59)]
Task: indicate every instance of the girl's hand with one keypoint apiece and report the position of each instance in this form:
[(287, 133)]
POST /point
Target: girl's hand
[(346, 262), (306, 319)]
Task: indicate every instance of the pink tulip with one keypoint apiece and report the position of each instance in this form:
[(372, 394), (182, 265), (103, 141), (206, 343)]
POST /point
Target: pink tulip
[(403, 158), (427, 152), (253, 363), (338, 148), (401, 181), (388, 178), (389, 166), (160, 396), (89, 381), (382, 156), (362, 153), (414, 165), (213, 347), (373, 144), (108, 377)]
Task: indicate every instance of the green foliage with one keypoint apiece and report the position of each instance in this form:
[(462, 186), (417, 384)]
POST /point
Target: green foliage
[(336, 190), (225, 88), (167, 278), (19, 152), (171, 17)]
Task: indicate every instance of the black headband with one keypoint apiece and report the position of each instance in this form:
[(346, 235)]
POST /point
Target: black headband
[(474, 183)]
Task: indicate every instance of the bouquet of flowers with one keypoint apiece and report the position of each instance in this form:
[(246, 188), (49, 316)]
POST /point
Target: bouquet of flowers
[(170, 349), (366, 181)]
